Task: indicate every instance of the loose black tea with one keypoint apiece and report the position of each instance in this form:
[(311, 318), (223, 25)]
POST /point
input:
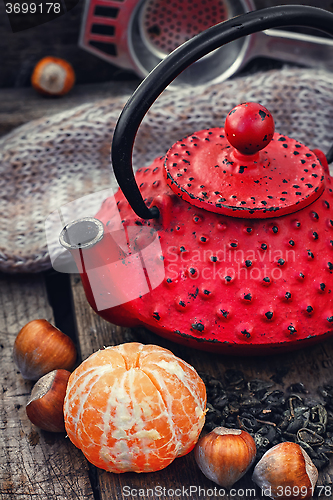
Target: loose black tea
[(271, 415)]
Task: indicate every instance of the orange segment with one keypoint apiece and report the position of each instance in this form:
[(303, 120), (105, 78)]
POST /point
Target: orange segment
[(134, 408), (173, 376)]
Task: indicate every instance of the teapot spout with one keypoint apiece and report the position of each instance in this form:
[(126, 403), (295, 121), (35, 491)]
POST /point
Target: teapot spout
[(116, 266), (96, 254)]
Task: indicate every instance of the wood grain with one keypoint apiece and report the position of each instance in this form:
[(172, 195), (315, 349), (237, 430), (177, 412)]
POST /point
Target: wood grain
[(34, 464), (18, 106), (312, 366)]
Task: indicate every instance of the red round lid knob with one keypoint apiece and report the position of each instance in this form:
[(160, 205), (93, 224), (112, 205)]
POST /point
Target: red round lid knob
[(249, 127)]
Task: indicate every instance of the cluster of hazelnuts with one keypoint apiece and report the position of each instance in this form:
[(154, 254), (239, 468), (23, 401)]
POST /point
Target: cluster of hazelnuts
[(44, 353), (284, 472)]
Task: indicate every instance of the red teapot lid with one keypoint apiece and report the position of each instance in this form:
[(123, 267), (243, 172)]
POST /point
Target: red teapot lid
[(245, 169)]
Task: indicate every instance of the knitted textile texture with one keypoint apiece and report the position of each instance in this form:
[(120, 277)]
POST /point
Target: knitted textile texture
[(48, 163)]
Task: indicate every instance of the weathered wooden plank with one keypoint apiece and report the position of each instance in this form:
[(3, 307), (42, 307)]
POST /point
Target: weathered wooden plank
[(18, 106), (312, 366), (93, 334), (33, 463)]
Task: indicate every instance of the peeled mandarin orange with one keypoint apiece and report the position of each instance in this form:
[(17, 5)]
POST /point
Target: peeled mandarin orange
[(134, 407)]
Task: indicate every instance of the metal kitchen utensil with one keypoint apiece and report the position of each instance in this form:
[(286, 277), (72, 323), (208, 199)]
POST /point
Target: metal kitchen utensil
[(138, 34)]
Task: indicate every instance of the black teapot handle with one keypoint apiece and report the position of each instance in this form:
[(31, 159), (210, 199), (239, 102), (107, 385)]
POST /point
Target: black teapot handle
[(169, 68)]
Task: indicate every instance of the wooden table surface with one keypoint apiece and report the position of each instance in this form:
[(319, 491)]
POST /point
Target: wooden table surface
[(20, 105), (39, 465)]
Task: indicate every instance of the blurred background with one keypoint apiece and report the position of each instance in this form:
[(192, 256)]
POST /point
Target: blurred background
[(20, 51), (95, 77)]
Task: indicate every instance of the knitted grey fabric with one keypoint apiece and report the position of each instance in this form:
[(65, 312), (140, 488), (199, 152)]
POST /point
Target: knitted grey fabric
[(50, 162)]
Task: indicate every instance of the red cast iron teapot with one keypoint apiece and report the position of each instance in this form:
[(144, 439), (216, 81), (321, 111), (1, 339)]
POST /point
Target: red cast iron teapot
[(231, 249)]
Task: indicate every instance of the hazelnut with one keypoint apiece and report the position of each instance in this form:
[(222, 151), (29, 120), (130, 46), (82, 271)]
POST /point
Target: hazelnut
[(286, 471), (53, 76), (40, 348), (224, 455), (45, 407)]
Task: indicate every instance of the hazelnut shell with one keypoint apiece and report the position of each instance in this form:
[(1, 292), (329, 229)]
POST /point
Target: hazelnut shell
[(40, 348), (286, 471), (45, 407), (224, 455), (53, 76)]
